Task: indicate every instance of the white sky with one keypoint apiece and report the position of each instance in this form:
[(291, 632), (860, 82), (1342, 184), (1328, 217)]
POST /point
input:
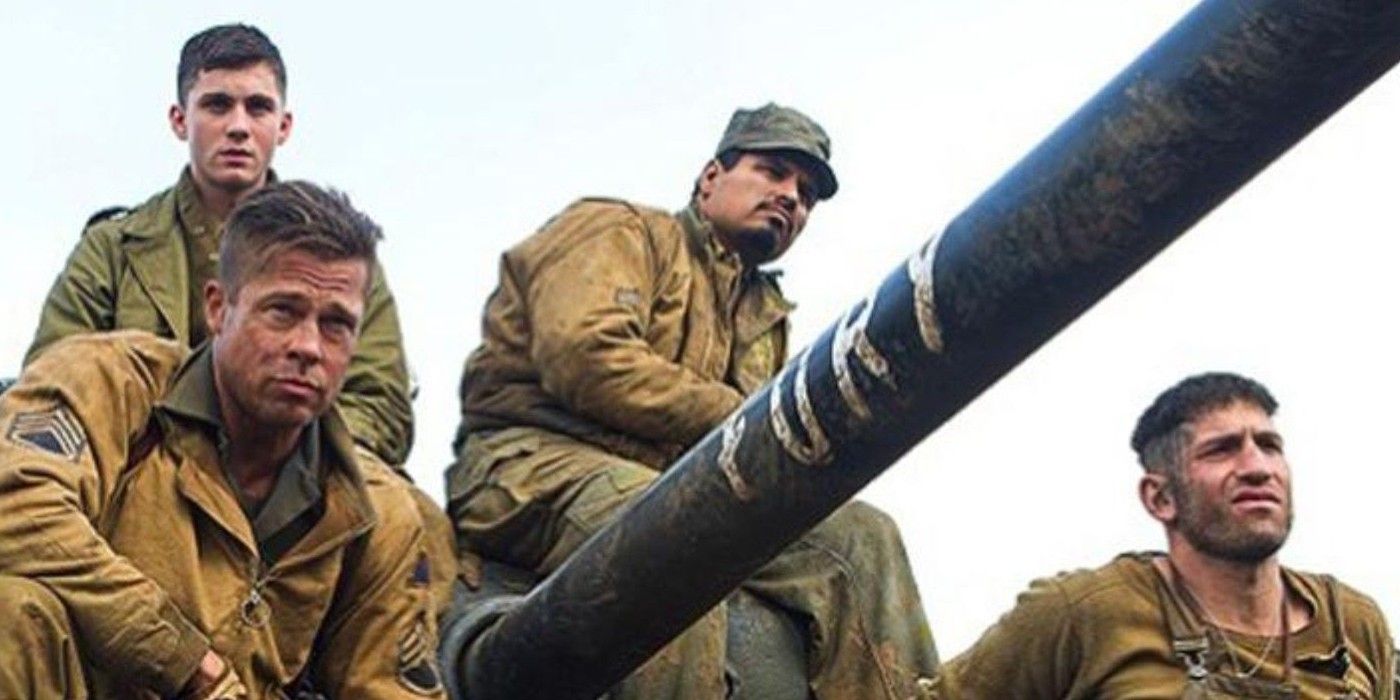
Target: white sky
[(462, 127)]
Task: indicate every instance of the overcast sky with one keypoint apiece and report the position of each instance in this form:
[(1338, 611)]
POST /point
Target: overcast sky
[(462, 126)]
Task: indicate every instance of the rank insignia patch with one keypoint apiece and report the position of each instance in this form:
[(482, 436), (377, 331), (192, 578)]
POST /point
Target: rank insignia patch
[(56, 431), (417, 661)]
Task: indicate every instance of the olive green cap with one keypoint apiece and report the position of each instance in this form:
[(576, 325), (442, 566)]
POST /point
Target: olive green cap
[(776, 128)]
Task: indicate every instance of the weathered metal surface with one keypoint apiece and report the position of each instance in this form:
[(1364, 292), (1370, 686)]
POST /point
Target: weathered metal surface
[(764, 648), (1213, 102)]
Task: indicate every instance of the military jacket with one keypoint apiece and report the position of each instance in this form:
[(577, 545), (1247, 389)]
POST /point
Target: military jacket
[(123, 511), (1106, 635), (626, 327), (134, 271)]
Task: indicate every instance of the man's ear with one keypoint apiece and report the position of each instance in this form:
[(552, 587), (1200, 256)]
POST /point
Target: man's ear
[(705, 184), (1157, 497), (216, 303), (284, 128), (178, 125)]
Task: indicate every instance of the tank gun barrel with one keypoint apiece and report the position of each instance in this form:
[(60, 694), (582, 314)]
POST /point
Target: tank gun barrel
[(1226, 91)]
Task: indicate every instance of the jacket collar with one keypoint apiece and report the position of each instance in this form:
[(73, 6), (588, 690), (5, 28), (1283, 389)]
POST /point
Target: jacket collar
[(154, 247), (194, 219), (153, 250), (193, 397), (704, 243), (705, 246)]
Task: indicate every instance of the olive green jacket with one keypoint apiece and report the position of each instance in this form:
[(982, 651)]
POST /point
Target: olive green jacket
[(627, 327), (132, 271), (1104, 634), (156, 563)]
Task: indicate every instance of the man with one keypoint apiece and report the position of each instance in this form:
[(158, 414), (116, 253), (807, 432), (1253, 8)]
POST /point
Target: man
[(146, 268), (621, 334), (1217, 615), (198, 524)]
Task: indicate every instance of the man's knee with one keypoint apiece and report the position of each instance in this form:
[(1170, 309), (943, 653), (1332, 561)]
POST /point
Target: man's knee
[(595, 501), (38, 657), (860, 527), (603, 494), (530, 497)]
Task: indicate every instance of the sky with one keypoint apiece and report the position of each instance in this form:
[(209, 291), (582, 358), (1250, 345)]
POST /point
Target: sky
[(461, 127)]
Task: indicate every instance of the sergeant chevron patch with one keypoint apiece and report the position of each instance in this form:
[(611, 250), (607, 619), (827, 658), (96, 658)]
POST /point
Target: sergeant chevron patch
[(418, 661), (56, 431)]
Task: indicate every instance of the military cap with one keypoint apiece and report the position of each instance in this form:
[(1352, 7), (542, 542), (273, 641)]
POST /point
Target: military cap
[(774, 127)]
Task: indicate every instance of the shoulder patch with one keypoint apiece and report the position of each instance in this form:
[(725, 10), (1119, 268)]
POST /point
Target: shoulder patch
[(56, 431), (107, 213), (418, 671)]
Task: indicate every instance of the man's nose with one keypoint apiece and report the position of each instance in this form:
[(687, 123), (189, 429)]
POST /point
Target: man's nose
[(789, 196), (1255, 464), (304, 342), (237, 126)]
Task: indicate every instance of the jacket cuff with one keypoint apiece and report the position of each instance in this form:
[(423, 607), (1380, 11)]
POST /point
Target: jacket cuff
[(173, 665)]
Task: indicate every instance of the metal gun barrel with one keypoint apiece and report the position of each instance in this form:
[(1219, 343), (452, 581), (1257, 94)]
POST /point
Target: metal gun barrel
[(1227, 90)]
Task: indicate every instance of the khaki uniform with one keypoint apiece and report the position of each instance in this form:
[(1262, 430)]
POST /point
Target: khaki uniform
[(619, 336), (125, 555), (146, 271), (1110, 633), (625, 327)]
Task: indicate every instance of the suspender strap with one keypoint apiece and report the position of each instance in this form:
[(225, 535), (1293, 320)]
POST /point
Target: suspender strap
[(1190, 643)]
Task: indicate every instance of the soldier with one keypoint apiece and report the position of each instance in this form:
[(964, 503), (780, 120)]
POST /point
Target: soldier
[(197, 523), (145, 268), (1216, 616), (619, 335)]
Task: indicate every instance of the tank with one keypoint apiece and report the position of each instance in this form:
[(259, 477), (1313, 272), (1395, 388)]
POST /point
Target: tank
[(1221, 95)]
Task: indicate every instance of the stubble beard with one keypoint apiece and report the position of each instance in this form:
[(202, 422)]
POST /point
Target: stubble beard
[(756, 245), (1215, 531)]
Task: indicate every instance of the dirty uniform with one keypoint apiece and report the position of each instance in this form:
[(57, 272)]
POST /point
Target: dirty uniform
[(619, 336), (146, 270), (1122, 631), (125, 553)]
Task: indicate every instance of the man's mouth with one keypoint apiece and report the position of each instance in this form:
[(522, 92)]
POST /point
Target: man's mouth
[(1256, 497), (779, 220), (235, 154), (298, 386)]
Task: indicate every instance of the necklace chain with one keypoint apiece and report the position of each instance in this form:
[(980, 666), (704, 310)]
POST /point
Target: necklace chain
[(1225, 635)]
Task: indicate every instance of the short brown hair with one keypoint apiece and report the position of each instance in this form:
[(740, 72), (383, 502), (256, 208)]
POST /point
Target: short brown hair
[(227, 46), (293, 215)]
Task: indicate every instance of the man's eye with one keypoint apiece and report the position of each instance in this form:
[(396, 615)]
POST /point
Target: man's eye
[(1217, 450), (260, 106), (338, 327), (281, 312), (217, 104)]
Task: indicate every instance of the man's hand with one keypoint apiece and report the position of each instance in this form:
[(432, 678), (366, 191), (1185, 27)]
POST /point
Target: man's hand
[(214, 680)]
